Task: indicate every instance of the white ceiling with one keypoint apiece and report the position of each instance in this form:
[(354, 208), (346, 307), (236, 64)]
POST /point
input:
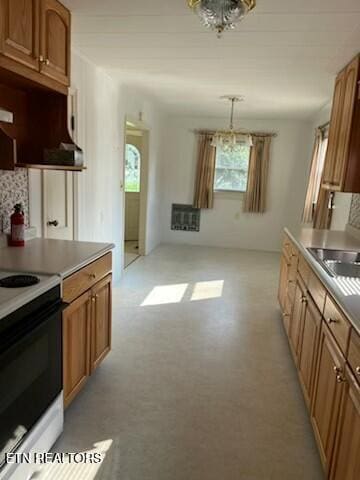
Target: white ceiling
[(282, 57)]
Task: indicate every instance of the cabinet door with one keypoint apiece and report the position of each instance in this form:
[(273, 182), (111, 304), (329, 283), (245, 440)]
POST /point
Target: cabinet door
[(297, 319), (101, 321), (55, 41), (327, 394), (346, 462), (308, 348), (334, 131), (342, 154), (284, 270), (76, 346), (19, 27)]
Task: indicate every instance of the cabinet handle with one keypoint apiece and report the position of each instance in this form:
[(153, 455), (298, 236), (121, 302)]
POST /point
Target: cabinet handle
[(304, 299), (43, 60), (332, 320), (93, 299), (340, 379), (92, 276), (358, 370), (338, 370)]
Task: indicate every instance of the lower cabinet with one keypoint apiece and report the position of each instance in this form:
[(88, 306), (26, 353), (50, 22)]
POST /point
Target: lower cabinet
[(346, 460), (326, 350), (76, 346), (329, 385), (308, 348), (101, 322), (86, 326)]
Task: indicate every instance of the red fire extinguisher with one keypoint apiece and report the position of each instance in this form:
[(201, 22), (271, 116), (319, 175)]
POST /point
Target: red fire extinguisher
[(17, 220)]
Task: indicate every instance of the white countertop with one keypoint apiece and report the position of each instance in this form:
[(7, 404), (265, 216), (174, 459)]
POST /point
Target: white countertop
[(348, 298), (52, 257)]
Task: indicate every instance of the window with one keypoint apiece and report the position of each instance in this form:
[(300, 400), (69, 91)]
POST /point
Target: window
[(132, 169), (231, 169)]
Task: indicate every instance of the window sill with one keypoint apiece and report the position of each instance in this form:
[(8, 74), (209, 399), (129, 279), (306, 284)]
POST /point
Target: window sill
[(229, 194)]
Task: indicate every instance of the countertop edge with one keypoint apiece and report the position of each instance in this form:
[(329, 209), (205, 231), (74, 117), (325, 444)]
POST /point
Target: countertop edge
[(66, 273), (327, 280)]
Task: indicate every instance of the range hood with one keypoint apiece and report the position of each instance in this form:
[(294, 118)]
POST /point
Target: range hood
[(34, 130), (6, 116)]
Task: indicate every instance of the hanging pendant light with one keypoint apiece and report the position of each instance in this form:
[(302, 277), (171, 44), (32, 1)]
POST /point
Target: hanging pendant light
[(221, 15), (228, 140)]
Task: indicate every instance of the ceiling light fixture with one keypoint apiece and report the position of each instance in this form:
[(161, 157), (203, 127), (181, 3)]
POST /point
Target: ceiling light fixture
[(220, 15), (228, 139)]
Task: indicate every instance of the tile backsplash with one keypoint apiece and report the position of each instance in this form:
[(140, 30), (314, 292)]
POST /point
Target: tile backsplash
[(354, 217), (14, 188)]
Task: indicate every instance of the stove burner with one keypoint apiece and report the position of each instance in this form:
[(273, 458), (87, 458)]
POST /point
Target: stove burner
[(19, 281)]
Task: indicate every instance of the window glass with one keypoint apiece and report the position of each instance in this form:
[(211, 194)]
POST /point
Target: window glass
[(132, 169), (231, 171)]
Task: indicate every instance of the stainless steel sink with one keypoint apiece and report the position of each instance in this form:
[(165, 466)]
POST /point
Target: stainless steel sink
[(338, 262)]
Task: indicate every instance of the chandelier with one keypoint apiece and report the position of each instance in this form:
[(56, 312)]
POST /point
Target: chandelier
[(221, 15), (228, 140)]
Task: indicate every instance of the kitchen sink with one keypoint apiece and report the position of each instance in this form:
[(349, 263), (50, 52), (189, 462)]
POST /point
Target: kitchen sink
[(338, 263)]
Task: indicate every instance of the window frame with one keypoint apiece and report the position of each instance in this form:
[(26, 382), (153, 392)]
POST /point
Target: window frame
[(128, 144), (228, 193)]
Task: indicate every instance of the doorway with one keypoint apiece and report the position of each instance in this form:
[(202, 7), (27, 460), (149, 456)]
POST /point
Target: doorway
[(135, 193)]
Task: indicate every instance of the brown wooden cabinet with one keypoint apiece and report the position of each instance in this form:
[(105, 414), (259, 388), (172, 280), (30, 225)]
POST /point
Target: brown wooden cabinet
[(76, 346), (101, 321), (55, 41), (342, 163), (296, 318), (308, 348), (35, 43), (326, 350), (346, 459), (86, 323), (19, 31), (329, 384)]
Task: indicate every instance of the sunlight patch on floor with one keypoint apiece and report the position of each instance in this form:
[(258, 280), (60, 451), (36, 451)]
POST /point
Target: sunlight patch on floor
[(207, 290), (75, 471)]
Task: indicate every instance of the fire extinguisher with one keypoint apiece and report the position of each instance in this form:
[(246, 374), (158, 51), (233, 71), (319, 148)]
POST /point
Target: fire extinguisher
[(17, 220)]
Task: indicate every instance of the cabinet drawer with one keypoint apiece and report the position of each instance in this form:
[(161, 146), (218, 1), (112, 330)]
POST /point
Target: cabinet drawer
[(317, 291), (287, 248), (85, 278), (338, 324), (354, 353), (304, 270)]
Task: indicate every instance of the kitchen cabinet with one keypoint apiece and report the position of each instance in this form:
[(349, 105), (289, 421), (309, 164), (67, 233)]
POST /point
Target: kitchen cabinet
[(342, 163), (326, 351), (329, 384), (296, 318), (76, 346), (55, 41), (308, 348), (19, 31), (346, 459), (87, 323), (35, 44), (101, 321)]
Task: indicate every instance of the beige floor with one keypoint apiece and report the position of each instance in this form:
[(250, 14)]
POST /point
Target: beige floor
[(202, 388), (131, 252)]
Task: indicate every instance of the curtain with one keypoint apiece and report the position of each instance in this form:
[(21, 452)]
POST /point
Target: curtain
[(255, 197), (204, 182), (324, 209), (314, 179)]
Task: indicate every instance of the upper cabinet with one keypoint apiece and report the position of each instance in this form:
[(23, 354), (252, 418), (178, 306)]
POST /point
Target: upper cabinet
[(20, 31), (342, 163), (55, 41), (35, 43)]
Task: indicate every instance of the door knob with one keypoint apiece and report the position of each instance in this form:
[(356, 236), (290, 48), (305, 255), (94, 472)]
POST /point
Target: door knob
[(52, 223)]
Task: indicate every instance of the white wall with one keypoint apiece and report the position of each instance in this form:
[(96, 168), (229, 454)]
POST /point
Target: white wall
[(103, 105), (226, 225)]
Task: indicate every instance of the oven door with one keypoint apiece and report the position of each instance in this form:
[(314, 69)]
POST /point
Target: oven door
[(30, 373)]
